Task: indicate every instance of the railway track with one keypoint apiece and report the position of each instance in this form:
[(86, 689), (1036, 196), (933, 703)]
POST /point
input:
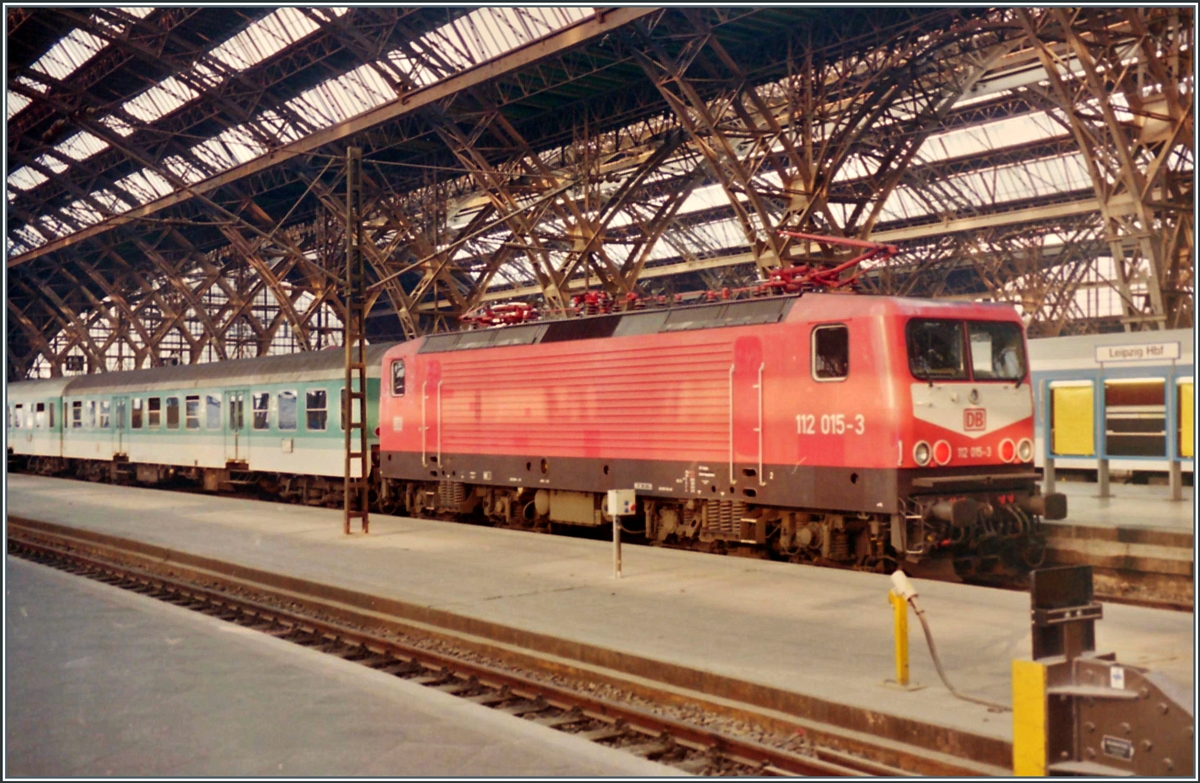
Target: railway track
[(525, 692)]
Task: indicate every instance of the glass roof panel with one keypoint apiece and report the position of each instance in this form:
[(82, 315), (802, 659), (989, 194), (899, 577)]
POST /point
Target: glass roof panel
[(264, 38), (72, 50), (160, 100), (16, 102), (81, 146), (25, 178)]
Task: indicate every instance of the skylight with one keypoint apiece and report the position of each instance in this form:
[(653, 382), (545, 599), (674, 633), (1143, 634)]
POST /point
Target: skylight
[(16, 102), (264, 38), (161, 99), (81, 146), (71, 51), (25, 178)]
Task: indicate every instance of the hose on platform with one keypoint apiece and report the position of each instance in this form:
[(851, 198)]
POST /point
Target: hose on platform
[(937, 663)]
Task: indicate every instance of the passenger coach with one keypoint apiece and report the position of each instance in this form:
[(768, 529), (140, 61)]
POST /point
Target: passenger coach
[(275, 421)]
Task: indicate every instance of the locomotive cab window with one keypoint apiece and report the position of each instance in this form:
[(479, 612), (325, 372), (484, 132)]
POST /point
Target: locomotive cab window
[(286, 410), (260, 402), (997, 351), (135, 414), (936, 350), (398, 378), (172, 413), (315, 409), (830, 352)]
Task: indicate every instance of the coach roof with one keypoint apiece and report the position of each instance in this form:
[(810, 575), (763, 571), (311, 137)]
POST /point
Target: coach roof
[(310, 365)]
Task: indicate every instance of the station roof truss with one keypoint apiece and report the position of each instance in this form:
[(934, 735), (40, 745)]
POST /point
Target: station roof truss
[(176, 191)]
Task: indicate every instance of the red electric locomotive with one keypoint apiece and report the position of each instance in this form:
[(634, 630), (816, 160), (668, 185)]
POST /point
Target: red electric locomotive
[(855, 430)]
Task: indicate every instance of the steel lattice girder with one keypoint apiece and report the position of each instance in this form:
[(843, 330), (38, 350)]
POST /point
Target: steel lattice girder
[(575, 156)]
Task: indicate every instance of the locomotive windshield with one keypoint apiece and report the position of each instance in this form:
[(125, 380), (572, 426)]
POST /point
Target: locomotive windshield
[(938, 350), (997, 351)]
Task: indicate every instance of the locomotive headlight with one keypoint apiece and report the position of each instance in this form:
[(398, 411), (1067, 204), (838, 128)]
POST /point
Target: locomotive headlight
[(1025, 450), (921, 453)]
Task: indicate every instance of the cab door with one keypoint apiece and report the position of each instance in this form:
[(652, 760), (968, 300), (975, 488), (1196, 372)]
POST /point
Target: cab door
[(119, 425), (237, 440), (746, 414)]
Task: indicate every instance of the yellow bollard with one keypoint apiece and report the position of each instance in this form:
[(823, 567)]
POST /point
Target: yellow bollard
[(900, 610)]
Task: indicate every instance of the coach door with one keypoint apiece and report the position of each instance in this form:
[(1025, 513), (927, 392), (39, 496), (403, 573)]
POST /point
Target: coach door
[(237, 436), (120, 412), (746, 414)]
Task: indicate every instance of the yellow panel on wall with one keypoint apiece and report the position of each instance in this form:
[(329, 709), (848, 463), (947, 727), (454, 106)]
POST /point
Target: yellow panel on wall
[(1187, 422), (1074, 425)]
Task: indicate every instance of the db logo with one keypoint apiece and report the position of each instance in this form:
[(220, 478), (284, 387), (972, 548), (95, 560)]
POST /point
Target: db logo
[(975, 419)]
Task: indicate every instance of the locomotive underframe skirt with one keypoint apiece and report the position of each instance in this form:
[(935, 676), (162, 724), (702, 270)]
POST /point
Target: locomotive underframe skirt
[(861, 490)]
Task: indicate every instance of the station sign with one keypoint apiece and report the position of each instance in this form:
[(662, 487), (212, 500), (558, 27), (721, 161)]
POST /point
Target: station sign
[(1140, 352)]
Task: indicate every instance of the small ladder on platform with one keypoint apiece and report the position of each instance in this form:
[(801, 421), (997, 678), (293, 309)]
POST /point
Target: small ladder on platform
[(355, 490)]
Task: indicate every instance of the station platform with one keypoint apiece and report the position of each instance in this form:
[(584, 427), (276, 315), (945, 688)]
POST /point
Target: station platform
[(1130, 506), (105, 682), (1138, 529), (821, 632)]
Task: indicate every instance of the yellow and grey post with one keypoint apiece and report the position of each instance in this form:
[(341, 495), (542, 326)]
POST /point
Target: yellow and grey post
[(621, 503), (900, 610), (900, 594)]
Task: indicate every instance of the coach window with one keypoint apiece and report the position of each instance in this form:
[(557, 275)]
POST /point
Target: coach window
[(105, 412), (172, 413), (153, 413), (398, 378), (50, 410), (76, 415), (285, 403), (212, 412), (18, 412), (261, 403), (830, 352), (89, 418), (191, 411), (135, 414), (316, 409), (39, 415)]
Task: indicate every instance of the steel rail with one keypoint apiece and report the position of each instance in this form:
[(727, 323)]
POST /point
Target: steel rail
[(650, 734)]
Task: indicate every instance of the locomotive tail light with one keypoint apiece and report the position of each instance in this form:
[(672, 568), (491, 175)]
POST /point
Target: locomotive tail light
[(377, 432), (1025, 450), (942, 452), (1008, 450), (922, 453)]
